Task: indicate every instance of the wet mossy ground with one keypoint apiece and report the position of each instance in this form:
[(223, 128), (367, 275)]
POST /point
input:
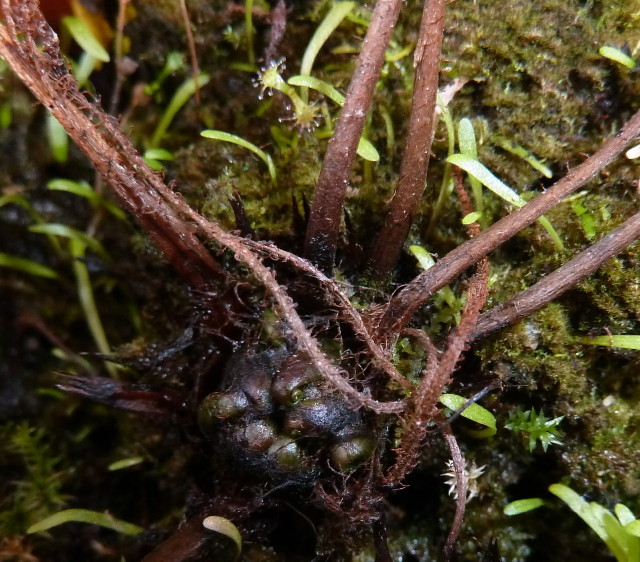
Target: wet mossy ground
[(533, 75)]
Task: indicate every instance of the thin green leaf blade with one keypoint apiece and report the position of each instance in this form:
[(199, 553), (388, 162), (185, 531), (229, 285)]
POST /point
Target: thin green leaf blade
[(469, 147), (85, 38), (479, 171), (580, 507), (180, 97), (618, 56), (623, 341), (522, 506), (425, 259), (523, 153), (125, 463), (83, 189), (57, 229), (85, 516), (624, 514), (328, 25), (234, 139), (319, 85), (474, 412), (367, 151), (471, 217), (223, 526), (58, 139), (26, 266)]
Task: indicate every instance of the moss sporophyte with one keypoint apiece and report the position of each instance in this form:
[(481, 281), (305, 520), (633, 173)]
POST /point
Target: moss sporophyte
[(295, 321)]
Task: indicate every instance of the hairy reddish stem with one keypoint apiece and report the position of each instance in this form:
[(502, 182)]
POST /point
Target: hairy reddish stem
[(534, 298), (435, 377), (408, 300), (415, 159), (323, 229), (462, 487)]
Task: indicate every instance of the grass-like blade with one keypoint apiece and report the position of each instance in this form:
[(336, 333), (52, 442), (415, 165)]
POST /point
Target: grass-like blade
[(618, 56), (475, 168), (82, 35), (26, 266), (328, 25), (182, 96), (473, 412), (522, 506), (624, 341), (85, 516), (228, 137)]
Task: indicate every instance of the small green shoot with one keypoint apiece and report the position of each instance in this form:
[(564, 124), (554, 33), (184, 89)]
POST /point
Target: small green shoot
[(94, 53), (57, 229), (471, 218), (249, 30), (621, 533), (328, 25), (389, 129), (447, 304), (586, 219), (536, 427), (523, 153), (83, 189), (58, 139), (78, 244), (26, 266), (319, 85), (85, 516), (228, 137), (618, 56), (479, 171), (473, 412), (223, 526), (469, 147), (87, 301), (628, 341), (154, 157), (173, 62), (522, 506), (475, 168), (425, 259), (446, 187), (181, 96), (83, 36), (125, 463), (84, 67)]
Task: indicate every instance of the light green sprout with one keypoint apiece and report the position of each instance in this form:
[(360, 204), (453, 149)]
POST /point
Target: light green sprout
[(478, 170), (537, 427), (85, 516), (228, 137)]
